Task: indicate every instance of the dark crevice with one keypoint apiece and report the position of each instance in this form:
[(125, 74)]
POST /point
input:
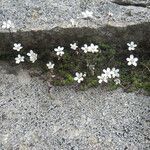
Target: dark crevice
[(45, 40), (118, 2)]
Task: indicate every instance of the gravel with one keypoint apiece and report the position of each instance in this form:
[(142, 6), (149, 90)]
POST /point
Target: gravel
[(34, 118)]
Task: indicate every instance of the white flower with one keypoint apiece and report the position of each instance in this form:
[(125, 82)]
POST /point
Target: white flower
[(79, 77), (73, 22), (107, 72), (84, 75), (85, 48), (73, 46), (7, 24), (50, 65), (59, 51), (87, 14), (110, 14), (131, 46), (19, 59), (32, 55), (132, 60), (115, 72), (17, 47), (93, 48), (117, 81), (102, 78)]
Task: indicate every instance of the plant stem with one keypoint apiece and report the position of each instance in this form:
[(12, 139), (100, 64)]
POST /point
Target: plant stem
[(146, 67)]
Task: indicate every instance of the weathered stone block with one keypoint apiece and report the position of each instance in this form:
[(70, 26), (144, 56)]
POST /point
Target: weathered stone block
[(41, 24)]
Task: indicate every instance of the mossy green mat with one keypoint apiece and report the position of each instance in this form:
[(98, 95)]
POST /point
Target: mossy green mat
[(132, 78)]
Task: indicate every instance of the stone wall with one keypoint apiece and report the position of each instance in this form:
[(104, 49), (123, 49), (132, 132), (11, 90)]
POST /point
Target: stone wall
[(48, 22)]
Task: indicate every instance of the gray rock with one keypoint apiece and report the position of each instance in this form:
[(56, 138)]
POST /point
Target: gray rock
[(48, 14), (48, 22), (65, 119)]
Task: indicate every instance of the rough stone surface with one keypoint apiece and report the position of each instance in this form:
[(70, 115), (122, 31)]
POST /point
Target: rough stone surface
[(31, 118), (48, 22), (48, 14)]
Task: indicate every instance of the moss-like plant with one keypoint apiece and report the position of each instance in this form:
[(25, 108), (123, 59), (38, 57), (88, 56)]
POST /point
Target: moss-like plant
[(132, 78), (88, 64)]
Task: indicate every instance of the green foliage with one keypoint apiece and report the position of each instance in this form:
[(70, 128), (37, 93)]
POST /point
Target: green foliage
[(112, 86), (89, 82), (64, 78), (132, 78)]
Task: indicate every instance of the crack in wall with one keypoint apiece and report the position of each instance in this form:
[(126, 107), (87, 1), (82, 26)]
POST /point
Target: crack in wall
[(123, 3), (47, 40)]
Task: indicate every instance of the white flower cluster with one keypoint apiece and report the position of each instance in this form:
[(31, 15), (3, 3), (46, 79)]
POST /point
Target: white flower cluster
[(19, 58), (50, 65), (79, 77), (92, 48), (104, 77), (132, 60), (7, 24), (32, 56), (110, 14), (74, 46), (108, 74), (59, 51), (87, 14), (131, 46), (74, 23), (17, 47)]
